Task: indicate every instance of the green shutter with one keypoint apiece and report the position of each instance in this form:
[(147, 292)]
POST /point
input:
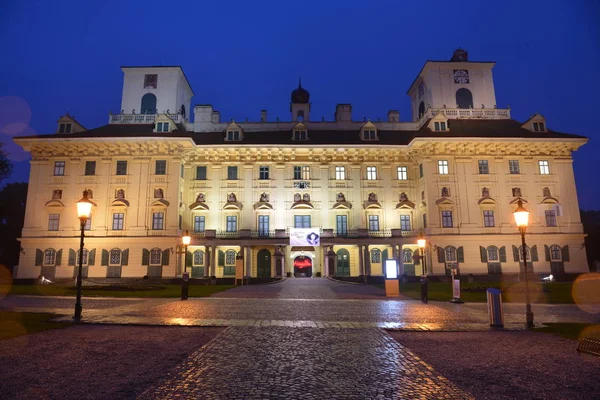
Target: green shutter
[(503, 254), (165, 257), (104, 261), (440, 254), (39, 257), (72, 256), (384, 256), (565, 253), (125, 257), (189, 258), (221, 261), (534, 254), (515, 253), (59, 257), (460, 255), (145, 257), (483, 252), (547, 252), (92, 257)]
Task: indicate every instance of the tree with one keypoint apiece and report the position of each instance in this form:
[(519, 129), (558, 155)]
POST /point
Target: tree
[(13, 198), (5, 164)]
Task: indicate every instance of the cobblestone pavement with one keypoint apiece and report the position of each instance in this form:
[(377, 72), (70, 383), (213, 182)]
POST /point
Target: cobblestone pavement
[(284, 363)]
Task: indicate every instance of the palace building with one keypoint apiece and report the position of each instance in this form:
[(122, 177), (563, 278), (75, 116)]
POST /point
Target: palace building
[(366, 190)]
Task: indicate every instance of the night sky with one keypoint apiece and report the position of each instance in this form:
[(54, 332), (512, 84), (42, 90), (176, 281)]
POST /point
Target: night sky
[(244, 56)]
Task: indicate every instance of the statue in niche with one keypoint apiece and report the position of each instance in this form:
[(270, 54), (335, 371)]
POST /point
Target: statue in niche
[(264, 198), (297, 197), (372, 198), (231, 198), (445, 192), (340, 198), (485, 192), (403, 197), (90, 193), (546, 192), (516, 192), (120, 194), (56, 194), (158, 194), (200, 198), (306, 197)]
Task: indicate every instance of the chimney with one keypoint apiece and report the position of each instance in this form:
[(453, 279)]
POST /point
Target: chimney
[(393, 116), (215, 117), (343, 113), (263, 115)]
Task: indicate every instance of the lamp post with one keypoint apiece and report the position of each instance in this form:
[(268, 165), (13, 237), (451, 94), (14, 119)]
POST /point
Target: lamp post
[(421, 242), (522, 220), (84, 208), (185, 278)]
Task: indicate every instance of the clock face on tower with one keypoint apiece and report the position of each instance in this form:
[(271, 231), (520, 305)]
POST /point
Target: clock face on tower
[(461, 76)]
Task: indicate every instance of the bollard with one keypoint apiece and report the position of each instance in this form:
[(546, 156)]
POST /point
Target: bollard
[(424, 283), (495, 310), (185, 283)]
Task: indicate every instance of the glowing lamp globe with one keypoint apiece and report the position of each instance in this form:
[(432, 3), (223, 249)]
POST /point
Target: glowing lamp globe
[(421, 243), (84, 206), (521, 215), (186, 239)]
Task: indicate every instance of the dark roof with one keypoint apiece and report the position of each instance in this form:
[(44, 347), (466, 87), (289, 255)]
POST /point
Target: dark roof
[(458, 129)]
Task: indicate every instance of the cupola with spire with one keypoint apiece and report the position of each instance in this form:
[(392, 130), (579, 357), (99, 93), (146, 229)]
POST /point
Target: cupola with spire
[(300, 95), (300, 106)]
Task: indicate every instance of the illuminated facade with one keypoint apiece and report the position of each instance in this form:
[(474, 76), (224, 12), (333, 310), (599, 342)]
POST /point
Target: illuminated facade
[(453, 173)]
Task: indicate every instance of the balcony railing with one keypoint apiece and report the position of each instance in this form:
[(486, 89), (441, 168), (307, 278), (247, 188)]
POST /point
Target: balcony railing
[(465, 113), (262, 234), (228, 235), (380, 234), (140, 118)]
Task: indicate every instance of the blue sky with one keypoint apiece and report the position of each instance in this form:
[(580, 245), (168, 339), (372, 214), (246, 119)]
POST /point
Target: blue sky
[(243, 56)]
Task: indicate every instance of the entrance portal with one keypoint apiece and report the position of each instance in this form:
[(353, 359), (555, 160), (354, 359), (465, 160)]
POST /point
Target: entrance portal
[(302, 267)]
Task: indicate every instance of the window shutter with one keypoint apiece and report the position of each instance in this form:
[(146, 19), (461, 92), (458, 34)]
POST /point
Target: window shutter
[(72, 256), (460, 255), (221, 260), (503, 254), (165, 257), (534, 254), (189, 258), (417, 258), (39, 257), (483, 252), (441, 258), (58, 257), (565, 253), (125, 257), (92, 257), (547, 252), (104, 261), (384, 256), (515, 253), (145, 257)]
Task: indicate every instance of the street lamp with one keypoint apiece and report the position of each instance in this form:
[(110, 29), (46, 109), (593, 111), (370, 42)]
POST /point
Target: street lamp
[(185, 278), (421, 242), (84, 208), (522, 220)]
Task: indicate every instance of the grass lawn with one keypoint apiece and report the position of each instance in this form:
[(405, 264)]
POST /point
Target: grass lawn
[(17, 324), (150, 290), (573, 331)]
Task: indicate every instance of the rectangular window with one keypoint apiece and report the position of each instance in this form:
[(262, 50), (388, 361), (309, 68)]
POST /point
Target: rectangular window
[(484, 167), (402, 173), (302, 172), (301, 221), (160, 167), (341, 224), (420, 170), (447, 219), (121, 167), (233, 135), (405, 223), (199, 223), (115, 257), (513, 167), (49, 257), (440, 126), (539, 127), (201, 173), (90, 168), (53, 222), (231, 223), (369, 135), (300, 135), (488, 218), (544, 167), (158, 219), (118, 219), (263, 172), (443, 167), (59, 168), (373, 222), (162, 127), (150, 81), (263, 225), (551, 218), (371, 173), (232, 173), (340, 173)]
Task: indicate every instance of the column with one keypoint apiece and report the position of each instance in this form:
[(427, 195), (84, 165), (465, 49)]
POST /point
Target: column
[(325, 263), (361, 270), (213, 252), (248, 260), (207, 263), (367, 261)]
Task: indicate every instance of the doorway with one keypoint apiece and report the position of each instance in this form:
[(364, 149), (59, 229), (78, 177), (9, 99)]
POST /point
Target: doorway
[(342, 263), (303, 267), (264, 264)]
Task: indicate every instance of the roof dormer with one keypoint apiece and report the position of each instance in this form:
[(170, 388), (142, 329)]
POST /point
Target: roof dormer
[(234, 133), (537, 123), (439, 123), (300, 132), (68, 124), (369, 132), (164, 123)]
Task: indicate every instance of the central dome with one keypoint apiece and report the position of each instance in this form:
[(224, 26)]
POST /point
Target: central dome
[(300, 95)]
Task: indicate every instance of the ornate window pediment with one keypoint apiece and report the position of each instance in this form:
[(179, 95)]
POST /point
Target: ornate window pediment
[(234, 133), (160, 203), (486, 200), (549, 200), (54, 203), (120, 203), (369, 132), (444, 201), (404, 202)]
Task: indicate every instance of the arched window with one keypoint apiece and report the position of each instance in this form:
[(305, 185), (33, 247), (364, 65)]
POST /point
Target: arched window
[(300, 116), (84, 259), (115, 257), (407, 256), (375, 256), (493, 255), (555, 253), (527, 253), (450, 254), (50, 257), (182, 110), (464, 98), (155, 256), (148, 104), (230, 257), (198, 257), (445, 192), (421, 109)]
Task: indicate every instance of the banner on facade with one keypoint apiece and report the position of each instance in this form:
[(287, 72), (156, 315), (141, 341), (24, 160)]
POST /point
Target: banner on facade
[(305, 237)]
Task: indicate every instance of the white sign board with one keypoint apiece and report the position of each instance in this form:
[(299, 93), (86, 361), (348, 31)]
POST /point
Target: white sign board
[(305, 237), (456, 288), (391, 269)]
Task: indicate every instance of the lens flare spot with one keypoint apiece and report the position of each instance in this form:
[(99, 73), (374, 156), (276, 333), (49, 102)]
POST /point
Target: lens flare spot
[(5, 281), (592, 332), (516, 292), (586, 292)]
